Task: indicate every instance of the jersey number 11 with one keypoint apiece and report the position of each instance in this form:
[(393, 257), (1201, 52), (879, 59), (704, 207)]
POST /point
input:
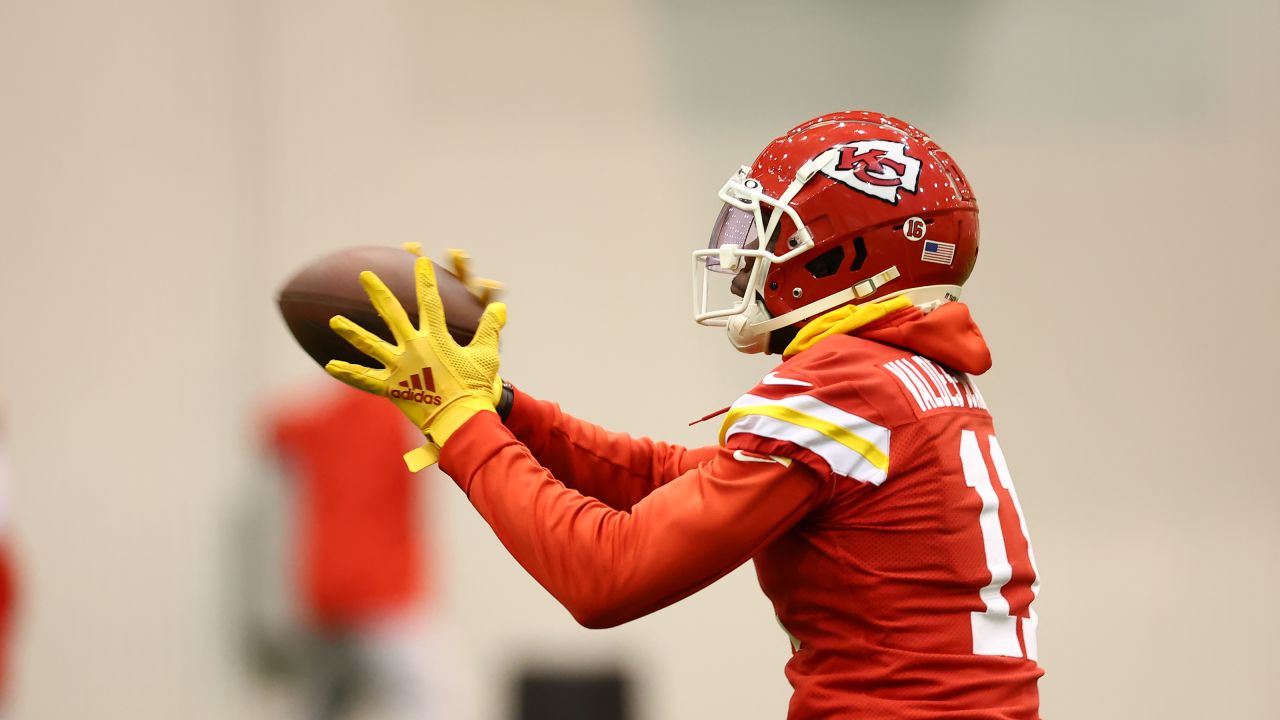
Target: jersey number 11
[(995, 630)]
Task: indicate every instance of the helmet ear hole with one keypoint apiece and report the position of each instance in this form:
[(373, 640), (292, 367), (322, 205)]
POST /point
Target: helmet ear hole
[(826, 264)]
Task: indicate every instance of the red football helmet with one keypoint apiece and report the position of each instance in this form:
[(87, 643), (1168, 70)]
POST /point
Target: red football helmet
[(854, 207)]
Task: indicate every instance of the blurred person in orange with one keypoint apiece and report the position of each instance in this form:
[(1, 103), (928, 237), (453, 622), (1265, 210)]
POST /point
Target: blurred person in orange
[(862, 475), (361, 587)]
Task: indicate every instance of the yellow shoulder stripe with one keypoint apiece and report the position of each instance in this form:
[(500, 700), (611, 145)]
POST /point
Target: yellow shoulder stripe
[(844, 436)]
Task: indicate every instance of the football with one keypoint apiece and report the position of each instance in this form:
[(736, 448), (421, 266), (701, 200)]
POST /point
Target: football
[(331, 286)]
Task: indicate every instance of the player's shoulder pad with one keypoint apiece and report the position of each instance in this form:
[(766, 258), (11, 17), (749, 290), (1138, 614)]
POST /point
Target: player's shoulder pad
[(812, 413)]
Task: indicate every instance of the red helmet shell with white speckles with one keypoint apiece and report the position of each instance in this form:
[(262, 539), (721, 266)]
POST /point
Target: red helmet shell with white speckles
[(890, 198)]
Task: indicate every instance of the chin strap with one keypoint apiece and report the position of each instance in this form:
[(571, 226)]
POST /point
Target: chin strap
[(861, 289), (750, 331), (843, 320)]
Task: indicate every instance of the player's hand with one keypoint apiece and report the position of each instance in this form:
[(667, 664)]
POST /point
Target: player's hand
[(435, 382), (484, 290)]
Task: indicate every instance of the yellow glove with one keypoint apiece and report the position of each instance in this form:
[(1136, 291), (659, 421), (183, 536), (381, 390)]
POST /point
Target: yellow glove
[(482, 289), (438, 384)]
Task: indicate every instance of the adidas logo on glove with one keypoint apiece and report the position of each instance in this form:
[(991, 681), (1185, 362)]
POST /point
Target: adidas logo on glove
[(421, 390)]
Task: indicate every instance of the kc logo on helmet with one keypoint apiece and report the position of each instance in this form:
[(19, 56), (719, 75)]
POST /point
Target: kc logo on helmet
[(879, 168)]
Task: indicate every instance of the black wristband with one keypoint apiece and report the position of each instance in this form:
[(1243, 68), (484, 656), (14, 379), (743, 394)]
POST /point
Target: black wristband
[(506, 401)]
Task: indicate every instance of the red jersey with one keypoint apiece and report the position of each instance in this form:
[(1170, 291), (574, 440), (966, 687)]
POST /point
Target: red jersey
[(863, 477), (907, 590), (357, 537)]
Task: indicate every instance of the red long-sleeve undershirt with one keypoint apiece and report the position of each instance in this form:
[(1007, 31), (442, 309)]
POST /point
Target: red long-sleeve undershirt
[(616, 527)]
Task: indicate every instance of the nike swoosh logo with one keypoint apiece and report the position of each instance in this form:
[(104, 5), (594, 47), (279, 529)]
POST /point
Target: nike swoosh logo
[(773, 379), (743, 457)]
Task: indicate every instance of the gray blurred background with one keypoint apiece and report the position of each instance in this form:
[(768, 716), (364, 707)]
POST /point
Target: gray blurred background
[(165, 165)]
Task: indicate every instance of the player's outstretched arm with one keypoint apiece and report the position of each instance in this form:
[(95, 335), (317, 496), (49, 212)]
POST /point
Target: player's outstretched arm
[(605, 565), (456, 382), (609, 566), (612, 467), (615, 468)]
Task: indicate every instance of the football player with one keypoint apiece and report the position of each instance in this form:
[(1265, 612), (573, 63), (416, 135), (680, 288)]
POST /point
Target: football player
[(862, 475)]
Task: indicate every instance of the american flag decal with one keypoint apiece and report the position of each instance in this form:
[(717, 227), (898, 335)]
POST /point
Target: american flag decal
[(938, 252)]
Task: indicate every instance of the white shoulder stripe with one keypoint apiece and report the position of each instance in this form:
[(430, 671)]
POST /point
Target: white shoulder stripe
[(843, 461), (851, 445), (809, 405)]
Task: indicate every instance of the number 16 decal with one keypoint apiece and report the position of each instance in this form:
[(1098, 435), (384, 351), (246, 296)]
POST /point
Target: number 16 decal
[(995, 631)]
